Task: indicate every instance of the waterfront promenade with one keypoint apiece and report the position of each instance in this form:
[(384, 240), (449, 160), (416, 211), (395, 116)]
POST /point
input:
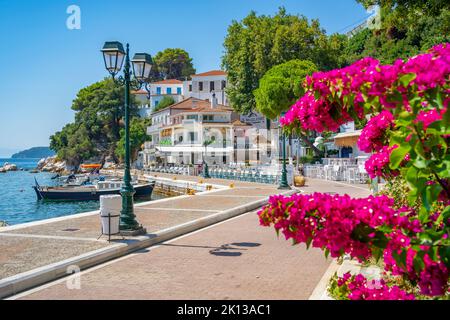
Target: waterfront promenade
[(234, 259)]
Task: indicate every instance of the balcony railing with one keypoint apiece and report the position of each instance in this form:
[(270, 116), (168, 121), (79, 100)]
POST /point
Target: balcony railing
[(154, 127), (218, 144)]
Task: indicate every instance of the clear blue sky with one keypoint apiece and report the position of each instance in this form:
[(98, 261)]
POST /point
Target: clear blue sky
[(44, 64)]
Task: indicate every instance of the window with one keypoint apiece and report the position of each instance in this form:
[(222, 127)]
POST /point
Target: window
[(169, 91), (224, 84), (158, 90), (190, 88), (213, 154), (211, 86), (178, 90), (192, 117), (208, 117), (200, 86)]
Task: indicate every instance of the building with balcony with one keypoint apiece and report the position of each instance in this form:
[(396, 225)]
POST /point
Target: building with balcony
[(179, 133)]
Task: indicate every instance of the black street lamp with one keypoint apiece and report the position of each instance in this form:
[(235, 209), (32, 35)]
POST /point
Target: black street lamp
[(113, 56), (284, 185), (205, 171)]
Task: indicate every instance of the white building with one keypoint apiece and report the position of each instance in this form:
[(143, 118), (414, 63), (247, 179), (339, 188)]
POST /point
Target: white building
[(204, 84), (179, 132), (158, 91)]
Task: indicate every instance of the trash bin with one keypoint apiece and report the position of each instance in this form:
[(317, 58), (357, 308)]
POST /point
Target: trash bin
[(110, 206)]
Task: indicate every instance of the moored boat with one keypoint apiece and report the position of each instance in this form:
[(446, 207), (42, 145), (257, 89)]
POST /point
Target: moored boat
[(89, 192)]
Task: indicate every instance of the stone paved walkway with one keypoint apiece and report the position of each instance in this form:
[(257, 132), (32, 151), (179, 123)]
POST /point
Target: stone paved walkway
[(236, 259), (23, 248)]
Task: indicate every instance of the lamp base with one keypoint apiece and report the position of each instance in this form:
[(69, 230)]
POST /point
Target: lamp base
[(132, 233)]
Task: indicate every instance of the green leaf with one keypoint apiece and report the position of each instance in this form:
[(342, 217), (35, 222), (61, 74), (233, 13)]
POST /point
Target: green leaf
[(308, 242), (440, 126), (398, 155), (380, 240), (430, 194), (424, 217), (420, 163), (444, 253), (418, 263), (446, 215), (406, 79)]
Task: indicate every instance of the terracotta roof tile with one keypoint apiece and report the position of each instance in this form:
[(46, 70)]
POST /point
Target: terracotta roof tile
[(168, 81), (239, 123), (197, 105), (211, 73)]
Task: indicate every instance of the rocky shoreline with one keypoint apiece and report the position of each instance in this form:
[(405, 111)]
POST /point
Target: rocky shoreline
[(8, 167), (52, 164)]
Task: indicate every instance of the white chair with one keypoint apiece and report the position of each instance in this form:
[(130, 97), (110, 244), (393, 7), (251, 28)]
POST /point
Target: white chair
[(336, 173)]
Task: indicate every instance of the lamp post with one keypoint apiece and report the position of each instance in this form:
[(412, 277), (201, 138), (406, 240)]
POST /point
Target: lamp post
[(113, 56), (205, 171), (284, 185)]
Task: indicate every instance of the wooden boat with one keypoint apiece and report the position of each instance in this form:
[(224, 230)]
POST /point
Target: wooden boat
[(91, 166), (89, 192)]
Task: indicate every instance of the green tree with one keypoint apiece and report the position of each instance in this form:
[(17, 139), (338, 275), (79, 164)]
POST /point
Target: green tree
[(280, 87), (165, 102), (257, 43), (96, 129), (428, 7), (408, 27), (138, 135), (174, 63)]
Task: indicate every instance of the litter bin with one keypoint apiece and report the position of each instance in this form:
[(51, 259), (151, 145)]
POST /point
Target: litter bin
[(110, 206)]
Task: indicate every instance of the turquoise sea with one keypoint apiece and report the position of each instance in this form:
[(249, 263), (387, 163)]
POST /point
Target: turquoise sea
[(18, 202)]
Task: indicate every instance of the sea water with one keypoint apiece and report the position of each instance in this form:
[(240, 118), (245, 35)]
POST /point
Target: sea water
[(18, 201)]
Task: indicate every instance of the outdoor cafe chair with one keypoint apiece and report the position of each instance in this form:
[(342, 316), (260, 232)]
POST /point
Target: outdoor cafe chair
[(336, 173)]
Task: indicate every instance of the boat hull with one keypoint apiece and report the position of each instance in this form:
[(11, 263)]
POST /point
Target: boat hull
[(77, 194)]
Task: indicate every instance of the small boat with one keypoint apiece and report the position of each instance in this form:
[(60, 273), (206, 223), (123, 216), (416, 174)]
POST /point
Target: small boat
[(89, 192)]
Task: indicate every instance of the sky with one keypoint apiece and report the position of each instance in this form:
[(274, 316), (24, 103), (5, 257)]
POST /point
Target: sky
[(44, 64)]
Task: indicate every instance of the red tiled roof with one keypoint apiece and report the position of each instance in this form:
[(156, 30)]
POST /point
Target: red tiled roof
[(198, 105), (168, 81), (217, 108), (239, 123), (139, 92), (211, 73)]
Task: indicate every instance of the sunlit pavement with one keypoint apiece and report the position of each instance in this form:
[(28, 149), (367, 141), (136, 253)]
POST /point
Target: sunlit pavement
[(236, 259)]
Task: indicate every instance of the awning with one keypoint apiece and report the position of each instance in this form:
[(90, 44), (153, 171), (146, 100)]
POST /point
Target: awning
[(347, 139)]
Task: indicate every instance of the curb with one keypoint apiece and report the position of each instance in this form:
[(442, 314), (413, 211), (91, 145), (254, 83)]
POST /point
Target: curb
[(320, 291), (27, 280)]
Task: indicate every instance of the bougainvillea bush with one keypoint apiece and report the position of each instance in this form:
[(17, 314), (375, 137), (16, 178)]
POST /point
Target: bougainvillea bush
[(408, 135)]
